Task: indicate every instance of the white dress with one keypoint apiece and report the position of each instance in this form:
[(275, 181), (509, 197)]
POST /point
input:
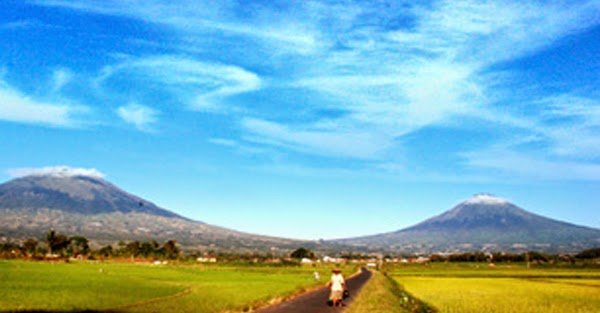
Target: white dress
[(337, 282)]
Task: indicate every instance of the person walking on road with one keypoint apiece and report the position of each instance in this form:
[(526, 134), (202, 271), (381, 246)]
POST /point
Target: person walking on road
[(337, 284)]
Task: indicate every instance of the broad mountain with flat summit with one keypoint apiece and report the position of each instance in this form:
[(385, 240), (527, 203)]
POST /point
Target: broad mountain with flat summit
[(484, 222), (74, 194), (93, 207)]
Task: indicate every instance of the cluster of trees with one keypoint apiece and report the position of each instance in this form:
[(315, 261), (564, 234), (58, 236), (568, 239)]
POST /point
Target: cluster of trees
[(593, 253), (54, 244), (60, 245), (145, 249), (302, 253)]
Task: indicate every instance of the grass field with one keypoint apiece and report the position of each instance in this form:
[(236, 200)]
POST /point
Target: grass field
[(473, 288), (144, 287), (382, 295), (379, 295)]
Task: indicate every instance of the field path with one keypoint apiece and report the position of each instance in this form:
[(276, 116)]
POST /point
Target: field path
[(316, 301), (182, 293)]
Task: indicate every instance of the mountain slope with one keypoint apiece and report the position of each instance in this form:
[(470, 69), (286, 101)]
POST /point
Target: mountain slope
[(75, 194), (484, 222), (95, 208)]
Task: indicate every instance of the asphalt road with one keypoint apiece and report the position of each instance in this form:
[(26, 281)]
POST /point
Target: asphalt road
[(316, 301)]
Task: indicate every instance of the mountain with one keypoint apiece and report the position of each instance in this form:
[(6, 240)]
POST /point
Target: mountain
[(484, 222), (74, 194), (92, 207)]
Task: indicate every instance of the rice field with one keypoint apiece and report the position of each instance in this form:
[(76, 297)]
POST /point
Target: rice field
[(448, 288), (470, 288), (123, 287)]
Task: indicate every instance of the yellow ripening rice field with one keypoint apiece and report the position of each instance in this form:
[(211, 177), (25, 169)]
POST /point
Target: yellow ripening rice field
[(506, 295)]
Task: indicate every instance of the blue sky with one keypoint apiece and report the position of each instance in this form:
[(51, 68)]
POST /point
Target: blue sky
[(310, 119)]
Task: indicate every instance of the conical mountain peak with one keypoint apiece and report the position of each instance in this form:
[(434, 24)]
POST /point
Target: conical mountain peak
[(485, 221)]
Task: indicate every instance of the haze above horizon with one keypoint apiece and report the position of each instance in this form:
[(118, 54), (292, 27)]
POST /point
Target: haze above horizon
[(312, 119)]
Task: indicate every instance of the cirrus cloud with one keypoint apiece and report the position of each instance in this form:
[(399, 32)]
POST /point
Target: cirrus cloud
[(204, 85), (18, 107), (140, 116), (360, 80)]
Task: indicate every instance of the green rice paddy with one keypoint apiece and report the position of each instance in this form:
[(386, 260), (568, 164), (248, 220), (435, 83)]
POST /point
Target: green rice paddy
[(127, 287)]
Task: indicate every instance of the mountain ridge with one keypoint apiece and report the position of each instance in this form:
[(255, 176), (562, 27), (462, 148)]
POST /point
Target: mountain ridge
[(95, 208)]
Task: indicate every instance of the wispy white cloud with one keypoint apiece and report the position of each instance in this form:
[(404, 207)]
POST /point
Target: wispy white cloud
[(57, 171), (422, 94), (515, 166), (438, 70), (585, 110), (17, 107), (205, 85), (469, 31), (567, 125), (20, 24), (25, 24), (435, 72), (560, 142), (572, 123), (60, 78), (324, 140), (223, 142), (284, 32), (299, 170), (142, 117)]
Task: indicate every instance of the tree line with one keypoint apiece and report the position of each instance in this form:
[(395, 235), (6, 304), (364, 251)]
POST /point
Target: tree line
[(57, 245), (530, 256)]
